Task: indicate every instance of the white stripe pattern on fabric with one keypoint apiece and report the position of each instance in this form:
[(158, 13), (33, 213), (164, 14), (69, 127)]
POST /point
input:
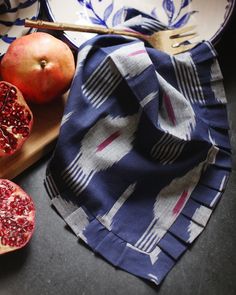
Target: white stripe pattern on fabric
[(187, 78), (184, 115), (107, 218), (96, 78), (211, 139), (73, 174), (66, 117), (148, 98), (167, 149), (153, 24), (80, 187), (153, 255), (165, 212), (78, 221), (140, 21), (100, 70), (194, 230), (109, 136), (202, 215), (143, 238), (222, 185), (108, 91), (176, 153), (212, 48), (101, 83), (216, 83), (163, 139), (215, 199), (72, 166), (152, 27), (51, 187), (131, 60), (128, 61)]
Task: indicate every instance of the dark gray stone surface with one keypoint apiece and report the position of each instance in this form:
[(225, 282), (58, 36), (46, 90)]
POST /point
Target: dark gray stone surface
[(56, 263)]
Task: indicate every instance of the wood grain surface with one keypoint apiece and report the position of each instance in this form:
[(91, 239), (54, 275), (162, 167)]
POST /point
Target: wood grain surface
[(47, 119)]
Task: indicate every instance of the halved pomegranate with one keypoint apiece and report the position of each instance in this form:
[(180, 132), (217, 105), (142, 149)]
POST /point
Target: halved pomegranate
[(16, 119), (17, 217)]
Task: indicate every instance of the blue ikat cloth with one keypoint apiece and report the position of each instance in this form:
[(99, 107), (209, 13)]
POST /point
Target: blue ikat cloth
[(143, 154)]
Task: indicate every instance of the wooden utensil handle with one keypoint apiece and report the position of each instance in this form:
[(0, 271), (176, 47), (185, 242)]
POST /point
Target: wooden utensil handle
[(41, 24)]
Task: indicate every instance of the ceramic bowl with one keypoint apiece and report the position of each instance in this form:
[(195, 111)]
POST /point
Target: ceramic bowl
[(211, 16), (12, 20)]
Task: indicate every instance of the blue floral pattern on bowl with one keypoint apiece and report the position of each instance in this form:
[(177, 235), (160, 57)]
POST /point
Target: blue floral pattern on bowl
[(176, 17), (161, 14), (102, 19)]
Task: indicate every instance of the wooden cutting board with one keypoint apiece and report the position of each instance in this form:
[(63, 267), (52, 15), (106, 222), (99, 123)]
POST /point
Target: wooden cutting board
[(47, 119)]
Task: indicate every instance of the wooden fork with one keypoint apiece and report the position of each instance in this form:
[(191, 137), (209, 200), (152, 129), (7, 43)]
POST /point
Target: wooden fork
[(169, 41)]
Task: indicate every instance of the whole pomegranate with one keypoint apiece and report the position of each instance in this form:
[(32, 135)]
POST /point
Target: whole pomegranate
[(40, 65), (17, 217), (16, 119)]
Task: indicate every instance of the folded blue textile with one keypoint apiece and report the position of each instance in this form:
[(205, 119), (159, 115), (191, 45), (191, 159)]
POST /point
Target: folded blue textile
[(143, 154)]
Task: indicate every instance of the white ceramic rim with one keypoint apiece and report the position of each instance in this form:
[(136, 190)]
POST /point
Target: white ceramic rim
[(214, 39)]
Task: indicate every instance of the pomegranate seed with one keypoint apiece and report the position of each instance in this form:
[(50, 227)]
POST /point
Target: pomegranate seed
[(14, 114), (17, 215), (4, 241)]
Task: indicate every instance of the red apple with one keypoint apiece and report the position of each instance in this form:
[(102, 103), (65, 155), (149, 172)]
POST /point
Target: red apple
[(40, 65)]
